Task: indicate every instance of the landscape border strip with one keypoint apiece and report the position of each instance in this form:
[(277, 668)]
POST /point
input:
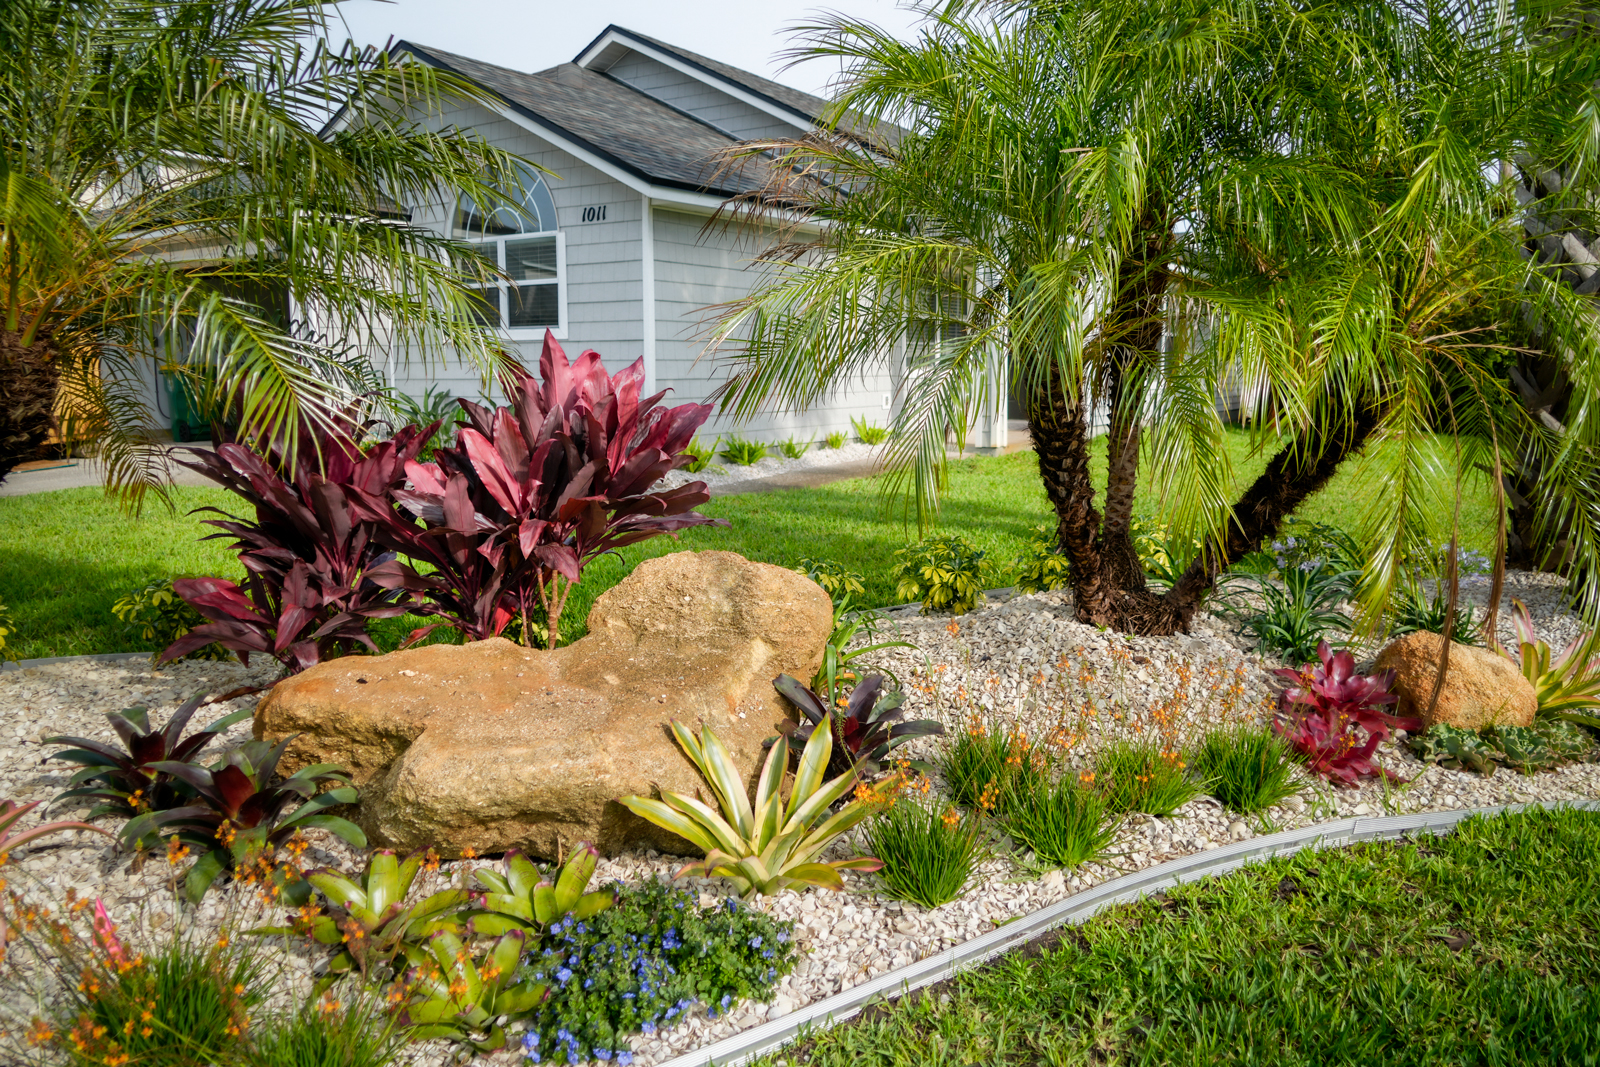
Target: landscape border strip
[(1080, 907), (99, 657)]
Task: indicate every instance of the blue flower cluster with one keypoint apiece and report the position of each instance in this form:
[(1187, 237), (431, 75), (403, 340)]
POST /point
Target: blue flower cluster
[(641, 967)]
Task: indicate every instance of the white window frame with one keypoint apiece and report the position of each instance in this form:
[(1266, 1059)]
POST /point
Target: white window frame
[(503, 285)]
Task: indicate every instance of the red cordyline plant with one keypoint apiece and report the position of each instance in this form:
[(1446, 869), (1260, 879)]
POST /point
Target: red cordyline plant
[(1325, 711), (312, 566), (533, 491)]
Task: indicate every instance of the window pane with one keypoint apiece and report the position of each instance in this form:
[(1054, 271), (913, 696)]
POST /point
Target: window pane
[(534, 305), (483, 306), (531, 260)]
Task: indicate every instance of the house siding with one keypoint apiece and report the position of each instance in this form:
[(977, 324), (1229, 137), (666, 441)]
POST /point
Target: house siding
[(698, 266), (704, 102), (604, 259)]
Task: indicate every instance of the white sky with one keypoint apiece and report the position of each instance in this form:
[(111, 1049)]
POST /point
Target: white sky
[(531, 35)]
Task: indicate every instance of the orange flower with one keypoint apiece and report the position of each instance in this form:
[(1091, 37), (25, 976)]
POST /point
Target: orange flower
[(954, 628)]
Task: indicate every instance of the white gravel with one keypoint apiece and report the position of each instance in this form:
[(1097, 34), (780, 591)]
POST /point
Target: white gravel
[(722, 474), (1019, 663)]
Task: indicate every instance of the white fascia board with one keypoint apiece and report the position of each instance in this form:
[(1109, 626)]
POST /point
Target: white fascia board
[(722, 85)]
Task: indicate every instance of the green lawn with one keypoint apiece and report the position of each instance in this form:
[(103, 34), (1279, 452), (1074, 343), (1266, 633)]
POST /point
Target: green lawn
[(1478, 948), (69, 555)]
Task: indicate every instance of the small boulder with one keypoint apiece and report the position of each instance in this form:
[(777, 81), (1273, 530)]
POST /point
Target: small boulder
[(1481, 688), (493, 746)]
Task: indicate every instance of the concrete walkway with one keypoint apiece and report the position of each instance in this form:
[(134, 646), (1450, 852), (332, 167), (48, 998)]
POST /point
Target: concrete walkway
[(81, 473)]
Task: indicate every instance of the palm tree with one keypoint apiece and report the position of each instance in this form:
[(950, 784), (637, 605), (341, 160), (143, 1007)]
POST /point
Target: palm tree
[(169, 169), (1136, 201)]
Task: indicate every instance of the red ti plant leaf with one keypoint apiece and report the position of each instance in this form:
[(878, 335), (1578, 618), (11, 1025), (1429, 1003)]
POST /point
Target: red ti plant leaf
[(1335, 718), (533, 491), (310, 556)]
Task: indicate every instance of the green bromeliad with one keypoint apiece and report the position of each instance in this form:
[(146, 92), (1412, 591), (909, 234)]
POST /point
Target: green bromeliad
[(776, 843)]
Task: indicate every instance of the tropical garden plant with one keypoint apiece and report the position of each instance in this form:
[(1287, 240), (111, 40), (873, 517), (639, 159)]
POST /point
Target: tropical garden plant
[(1248, 768), (775, 843), (139, 131), (1334, 718), (1141, 210), (463, 999), (945, 573), (1064, 823), (1567, 683), (504, 522), (929, 850), (156, 614), (522, 899), (1042, 567), (128, 781), (869, 723)]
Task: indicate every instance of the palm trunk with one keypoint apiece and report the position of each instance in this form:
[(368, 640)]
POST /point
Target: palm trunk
[(1058, 424), (29, 381), (1286, 484)]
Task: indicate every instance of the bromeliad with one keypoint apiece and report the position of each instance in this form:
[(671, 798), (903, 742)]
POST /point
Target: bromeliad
[(868, 725), (520, 899), (774, 844)]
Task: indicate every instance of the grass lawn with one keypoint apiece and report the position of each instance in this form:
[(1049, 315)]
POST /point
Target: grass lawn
[(69, 555), (1478, 948)]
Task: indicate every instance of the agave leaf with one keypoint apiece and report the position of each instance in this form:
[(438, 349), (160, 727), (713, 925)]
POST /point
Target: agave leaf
[(383, 881), (339, 889), (521, 874), (545, 907), (575, 875), (591, 904), (667, 818), (493, 924), (705, 817), (723, 775), (504, 954), (492, 881), (690, 746), (821, 800), (820, 875), (813, 764), (771, 780), (512, 904)]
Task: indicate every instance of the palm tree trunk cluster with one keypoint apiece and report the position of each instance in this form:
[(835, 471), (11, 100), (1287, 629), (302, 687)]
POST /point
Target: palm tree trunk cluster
[(28, 383)]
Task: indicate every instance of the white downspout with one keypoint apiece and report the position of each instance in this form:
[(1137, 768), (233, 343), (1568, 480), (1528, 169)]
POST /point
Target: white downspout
[(647, 302)]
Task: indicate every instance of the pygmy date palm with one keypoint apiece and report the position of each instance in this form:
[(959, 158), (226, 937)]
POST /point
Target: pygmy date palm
[(1128, 207), (170, 171)]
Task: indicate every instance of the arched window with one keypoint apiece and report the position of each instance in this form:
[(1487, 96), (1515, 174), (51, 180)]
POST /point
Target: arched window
[(521, 237)]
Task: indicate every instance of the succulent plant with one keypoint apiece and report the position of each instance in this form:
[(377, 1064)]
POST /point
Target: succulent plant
[(868, 725), (1456, 749), (240, 810), (520, 899), (773, 845), (1322, 708), (126, 782), (371, 922), (461, 999)]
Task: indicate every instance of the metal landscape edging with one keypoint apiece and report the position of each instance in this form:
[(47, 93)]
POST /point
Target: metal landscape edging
[(1080, 907), (99, 657)]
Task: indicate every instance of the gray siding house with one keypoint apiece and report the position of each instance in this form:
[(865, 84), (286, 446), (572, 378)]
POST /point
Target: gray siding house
[(614, 252)]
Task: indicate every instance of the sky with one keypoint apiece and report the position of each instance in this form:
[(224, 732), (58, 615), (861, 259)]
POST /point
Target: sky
[(531, 35)]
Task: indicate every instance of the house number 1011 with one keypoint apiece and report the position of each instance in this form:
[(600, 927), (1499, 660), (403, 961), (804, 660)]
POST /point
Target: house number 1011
[(594, 214)]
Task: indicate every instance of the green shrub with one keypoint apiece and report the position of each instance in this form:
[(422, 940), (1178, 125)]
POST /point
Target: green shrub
[(320, 1034), (838, 583), (742, 452), (1413, 614), (641, 965), (869, 433), (1295, 616), (1139, 776), (794, 448), (436, 405), (1042, 566), (1547, 743), (700, 454), (836, 439), (1247, 768), (945, 573), (1063, 823), (156, 614), (929, 850), (1162, 555), (8, 629)]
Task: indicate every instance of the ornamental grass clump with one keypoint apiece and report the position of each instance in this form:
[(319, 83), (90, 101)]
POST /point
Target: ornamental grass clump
[(1064, 823), (354, 1031), (1143, 776), (983, 767), (929, 849), (1334, 718), (775, 844), (1247, 768)]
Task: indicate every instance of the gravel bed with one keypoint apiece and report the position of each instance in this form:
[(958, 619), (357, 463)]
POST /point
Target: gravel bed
[(1019, 663), (722, 474)]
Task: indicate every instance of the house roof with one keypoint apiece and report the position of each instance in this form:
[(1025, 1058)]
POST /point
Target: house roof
[(644, 136)]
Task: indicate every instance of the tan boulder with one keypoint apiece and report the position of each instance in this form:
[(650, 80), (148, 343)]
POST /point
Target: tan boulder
[(1481, 688), (495, 746)]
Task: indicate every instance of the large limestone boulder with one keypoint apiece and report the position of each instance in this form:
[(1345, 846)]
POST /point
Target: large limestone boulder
[(1481, 688), (495, 746)]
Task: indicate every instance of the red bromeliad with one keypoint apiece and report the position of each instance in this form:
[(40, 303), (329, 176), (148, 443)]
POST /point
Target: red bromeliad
[(1322, 710), (536, 490)]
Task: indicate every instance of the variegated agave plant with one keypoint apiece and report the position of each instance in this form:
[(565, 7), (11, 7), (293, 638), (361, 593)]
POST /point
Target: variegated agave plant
[(774, 844)]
